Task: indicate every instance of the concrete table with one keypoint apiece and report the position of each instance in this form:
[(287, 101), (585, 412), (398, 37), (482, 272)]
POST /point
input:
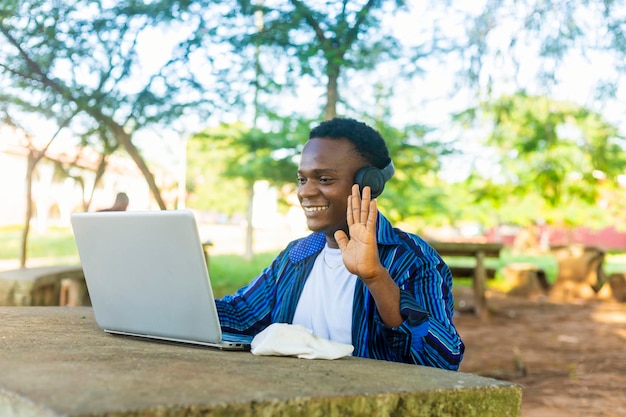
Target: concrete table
[(56, 361)]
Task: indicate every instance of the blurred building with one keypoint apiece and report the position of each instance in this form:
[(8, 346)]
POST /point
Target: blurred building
[(62, 181)]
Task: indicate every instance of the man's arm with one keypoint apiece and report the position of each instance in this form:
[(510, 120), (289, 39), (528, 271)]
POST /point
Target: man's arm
[(360, 255), (420, 314)]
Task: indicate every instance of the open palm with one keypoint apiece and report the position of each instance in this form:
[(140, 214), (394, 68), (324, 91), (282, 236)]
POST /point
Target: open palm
[(359, 250)]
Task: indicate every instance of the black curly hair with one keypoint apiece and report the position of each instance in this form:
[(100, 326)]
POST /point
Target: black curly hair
[(369, 144)]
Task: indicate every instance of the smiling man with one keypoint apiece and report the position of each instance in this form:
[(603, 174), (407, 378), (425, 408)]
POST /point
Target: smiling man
[(355, 279)]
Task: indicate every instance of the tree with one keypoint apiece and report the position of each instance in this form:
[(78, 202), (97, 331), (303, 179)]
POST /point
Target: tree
[(251, 154), (82, 59), (556, 154), (35, 154), (320, 41), (525, 44), (531, 46), (415, 194)]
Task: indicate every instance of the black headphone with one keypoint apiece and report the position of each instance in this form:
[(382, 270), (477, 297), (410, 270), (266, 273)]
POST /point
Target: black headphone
[(374, 177)]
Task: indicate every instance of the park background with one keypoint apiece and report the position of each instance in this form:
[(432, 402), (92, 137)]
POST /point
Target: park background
[(500, 116), (505, 120)]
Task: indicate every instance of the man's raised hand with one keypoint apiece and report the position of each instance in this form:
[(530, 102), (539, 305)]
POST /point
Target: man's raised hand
[(360, 250)]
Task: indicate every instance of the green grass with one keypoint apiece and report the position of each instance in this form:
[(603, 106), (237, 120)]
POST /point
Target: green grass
[(54, 243), (228, 272), (615, 262), (546, 262), (231, 272)]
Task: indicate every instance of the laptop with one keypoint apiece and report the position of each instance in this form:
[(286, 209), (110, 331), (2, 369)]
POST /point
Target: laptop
[(147, 277)]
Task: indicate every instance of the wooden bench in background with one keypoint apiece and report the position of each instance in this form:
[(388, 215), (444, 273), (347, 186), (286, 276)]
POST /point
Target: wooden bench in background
[(469, 271), (479, 273)]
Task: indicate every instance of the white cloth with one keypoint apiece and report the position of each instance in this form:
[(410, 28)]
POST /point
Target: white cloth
[(282, 339), (325, 305)]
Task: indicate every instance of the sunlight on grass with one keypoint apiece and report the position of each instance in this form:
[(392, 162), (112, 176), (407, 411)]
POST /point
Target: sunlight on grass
[(615, 262), (230, 272), (56, 242)]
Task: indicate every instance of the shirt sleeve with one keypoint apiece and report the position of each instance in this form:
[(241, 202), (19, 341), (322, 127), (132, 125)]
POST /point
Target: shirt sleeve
[(249, 310), (427, 336)]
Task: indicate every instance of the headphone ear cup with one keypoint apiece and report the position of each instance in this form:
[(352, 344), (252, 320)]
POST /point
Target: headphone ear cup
[(372, 177)]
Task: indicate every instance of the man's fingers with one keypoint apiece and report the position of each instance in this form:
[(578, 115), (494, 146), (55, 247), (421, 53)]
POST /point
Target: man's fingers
[(349, 213), (354, 206), (365, 204), (373, 216), (342, 239), (361, 208)]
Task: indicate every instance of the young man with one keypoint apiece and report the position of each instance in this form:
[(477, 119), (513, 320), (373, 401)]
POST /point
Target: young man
[(355, 279)]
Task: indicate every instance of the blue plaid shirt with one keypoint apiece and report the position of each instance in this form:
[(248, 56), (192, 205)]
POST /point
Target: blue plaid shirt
[(427, 336)]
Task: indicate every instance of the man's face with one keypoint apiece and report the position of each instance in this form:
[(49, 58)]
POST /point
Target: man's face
[(325, 179)]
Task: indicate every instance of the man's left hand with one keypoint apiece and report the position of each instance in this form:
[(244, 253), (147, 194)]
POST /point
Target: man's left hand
[(360, 249)]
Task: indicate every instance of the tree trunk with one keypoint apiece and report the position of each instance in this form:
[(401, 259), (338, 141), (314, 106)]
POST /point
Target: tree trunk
[(332, 95), (249, 222), (33, 157), (99, 174), (125, 140)]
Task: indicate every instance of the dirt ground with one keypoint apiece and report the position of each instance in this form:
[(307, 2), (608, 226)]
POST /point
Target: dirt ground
[(569, 358)]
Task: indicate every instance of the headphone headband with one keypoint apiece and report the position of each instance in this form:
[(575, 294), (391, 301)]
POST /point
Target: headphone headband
[(388, 171)]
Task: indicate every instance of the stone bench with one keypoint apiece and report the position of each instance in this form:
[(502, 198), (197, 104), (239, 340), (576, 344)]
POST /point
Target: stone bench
[(62, 285), (56, 362)]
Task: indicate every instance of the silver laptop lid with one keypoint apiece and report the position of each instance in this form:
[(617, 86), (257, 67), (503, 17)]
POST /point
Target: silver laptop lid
[(146, 274)]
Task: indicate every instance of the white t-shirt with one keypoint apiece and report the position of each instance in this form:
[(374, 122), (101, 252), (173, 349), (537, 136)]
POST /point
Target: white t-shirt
[(325, 305)]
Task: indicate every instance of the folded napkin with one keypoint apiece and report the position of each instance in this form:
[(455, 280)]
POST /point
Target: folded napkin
[(282, 339)]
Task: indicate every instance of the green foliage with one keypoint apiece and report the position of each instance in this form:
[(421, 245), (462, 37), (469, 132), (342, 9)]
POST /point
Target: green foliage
[(515, 39), (222, 160), (79, 64), (207, 187), (63, 56), (320, 41), (415, 195), (225, 159), (553, 160)]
